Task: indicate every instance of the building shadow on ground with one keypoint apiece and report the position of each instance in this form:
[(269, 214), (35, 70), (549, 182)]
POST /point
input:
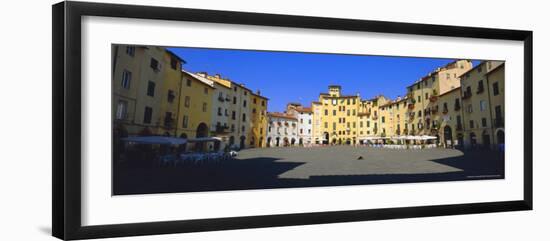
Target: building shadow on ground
[(264, 172), (235, 174)]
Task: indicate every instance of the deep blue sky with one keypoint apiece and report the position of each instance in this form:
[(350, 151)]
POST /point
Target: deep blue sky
[(299, 77)]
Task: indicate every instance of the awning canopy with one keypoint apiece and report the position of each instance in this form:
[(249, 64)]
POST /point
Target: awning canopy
[(205, 139), (373, 138), (162, 140)]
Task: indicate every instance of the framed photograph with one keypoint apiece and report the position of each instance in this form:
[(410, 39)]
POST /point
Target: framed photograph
[(171, 120)]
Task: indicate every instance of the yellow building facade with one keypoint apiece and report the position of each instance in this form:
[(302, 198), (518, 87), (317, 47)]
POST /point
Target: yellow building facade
[(423, 96), (443, 104), (339, 116), (247, 113), (196, 103), (483, 110), (146, 85), (258, 135)]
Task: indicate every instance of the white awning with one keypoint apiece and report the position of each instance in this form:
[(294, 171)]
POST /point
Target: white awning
[(205, 139), (163, 140)]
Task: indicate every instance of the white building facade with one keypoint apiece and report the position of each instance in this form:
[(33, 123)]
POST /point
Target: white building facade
[(304, 116), (282, 130)]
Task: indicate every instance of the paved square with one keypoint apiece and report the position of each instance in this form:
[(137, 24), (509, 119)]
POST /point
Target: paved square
[(288, 167), (343, 160)]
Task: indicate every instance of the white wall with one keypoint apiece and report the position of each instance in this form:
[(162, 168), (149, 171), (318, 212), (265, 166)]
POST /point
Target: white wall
[(25, 177)]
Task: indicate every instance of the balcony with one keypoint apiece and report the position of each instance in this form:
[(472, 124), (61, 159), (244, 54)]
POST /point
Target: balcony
[(433, 97), (498, 122), (459, 127), (221, 129), (466, 95), (480, 89), (171, 97), (221, 99), (435, 110), (427, 113), (168, 123), (457, 107)]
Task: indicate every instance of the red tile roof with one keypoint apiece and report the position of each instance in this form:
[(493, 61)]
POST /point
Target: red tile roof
[(281, 115)]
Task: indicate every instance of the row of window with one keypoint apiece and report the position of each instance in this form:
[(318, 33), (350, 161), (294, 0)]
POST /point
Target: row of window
[(154, 64)]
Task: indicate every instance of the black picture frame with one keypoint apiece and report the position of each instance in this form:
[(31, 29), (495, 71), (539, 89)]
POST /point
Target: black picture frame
[(66, 164)]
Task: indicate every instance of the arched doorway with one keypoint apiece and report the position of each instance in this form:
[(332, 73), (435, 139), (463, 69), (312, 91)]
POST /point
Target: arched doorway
[(500, 137), (242, 144), (202, 131), (473, 140), (348, 141), (460, 140), (448, 136), (145, 132), (277, 141), (333, 140), (285, 141), (486, 140), (217, 145), (260, 142), (301, 142), (183, 147), (231, 141), (119, 132), (325, 140), (292, 141)]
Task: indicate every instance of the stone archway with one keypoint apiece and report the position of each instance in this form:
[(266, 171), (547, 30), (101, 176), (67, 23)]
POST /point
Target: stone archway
[(448, 136), (243, 142), (231, 141), (486, 138), (292, 141), (183, 147), (500, 136), (460, 140), (326, 139), (473, 140), (202, 131)]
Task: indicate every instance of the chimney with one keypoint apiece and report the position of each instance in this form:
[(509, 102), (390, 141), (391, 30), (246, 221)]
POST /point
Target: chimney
[(258, 92), (202, 74), (218, 76)]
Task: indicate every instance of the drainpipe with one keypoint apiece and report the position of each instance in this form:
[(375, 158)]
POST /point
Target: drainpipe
[(179, 103), (490, 107), (115, 57)]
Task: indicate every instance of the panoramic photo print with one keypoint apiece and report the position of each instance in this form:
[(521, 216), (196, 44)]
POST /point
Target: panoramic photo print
[(198, 119)]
